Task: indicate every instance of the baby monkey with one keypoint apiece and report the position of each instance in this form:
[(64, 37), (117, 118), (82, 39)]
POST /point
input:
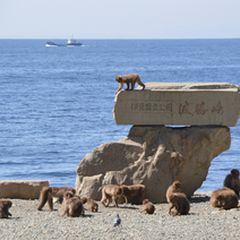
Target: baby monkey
[(90, 204), (148, 207), (4, 208)]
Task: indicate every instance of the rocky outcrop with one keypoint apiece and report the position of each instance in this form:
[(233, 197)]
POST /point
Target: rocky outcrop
[(21, 189), (153, 156)]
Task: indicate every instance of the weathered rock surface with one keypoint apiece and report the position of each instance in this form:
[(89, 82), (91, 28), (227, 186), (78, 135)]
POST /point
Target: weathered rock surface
[(21, 189), (153, 156), (179, 104)]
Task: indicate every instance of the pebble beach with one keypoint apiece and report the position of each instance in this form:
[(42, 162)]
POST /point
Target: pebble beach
[(203, 222)]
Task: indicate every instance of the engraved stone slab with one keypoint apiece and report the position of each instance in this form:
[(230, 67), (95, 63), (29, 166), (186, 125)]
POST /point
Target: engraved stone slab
[(179, 104)]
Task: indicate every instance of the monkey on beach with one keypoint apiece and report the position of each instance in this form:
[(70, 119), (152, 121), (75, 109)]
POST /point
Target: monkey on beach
[(4, 208), (48, 193), (232, 181), (148, 207), (72, 205)]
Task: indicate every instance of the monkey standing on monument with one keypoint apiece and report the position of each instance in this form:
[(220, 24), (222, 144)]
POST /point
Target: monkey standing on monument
[(129, 79)]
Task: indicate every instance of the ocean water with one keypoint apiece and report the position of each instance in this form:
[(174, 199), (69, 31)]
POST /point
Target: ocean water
[(56, 103)]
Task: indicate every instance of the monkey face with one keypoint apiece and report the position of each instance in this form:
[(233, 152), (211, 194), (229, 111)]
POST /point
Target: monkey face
[(119, 79), (83, 200), (68, 195), (235, 172), (145, 201), (177, 184)]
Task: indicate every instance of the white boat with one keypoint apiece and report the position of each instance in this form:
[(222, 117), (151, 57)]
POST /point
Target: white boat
[(73, 42)]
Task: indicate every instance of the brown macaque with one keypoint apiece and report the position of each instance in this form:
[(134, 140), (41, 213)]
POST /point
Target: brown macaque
[(4, 208), (90, 204), (48, 193), (135, 193), (224, 198), (148, 207), (111, 193), (232, 181), (178, 204), (130, 80), (72, 205), (175, 187)]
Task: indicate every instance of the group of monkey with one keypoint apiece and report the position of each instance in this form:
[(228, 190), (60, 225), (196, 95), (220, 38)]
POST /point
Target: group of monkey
[(74, 205), (224, 198)]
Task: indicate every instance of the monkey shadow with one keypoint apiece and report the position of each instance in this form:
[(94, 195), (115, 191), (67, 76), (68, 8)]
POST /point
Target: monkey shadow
[(46, 210), (123, 207), (88, 216), (11, 218), (129, 207), (191, 213), (199, 199)]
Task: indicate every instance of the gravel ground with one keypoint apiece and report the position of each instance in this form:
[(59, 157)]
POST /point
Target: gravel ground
[(203, 222)]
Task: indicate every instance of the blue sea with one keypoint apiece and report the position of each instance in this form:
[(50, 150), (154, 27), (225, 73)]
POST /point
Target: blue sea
[(56, 103)]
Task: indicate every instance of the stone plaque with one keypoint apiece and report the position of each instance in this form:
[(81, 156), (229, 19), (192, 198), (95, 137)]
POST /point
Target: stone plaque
[(179, 104)]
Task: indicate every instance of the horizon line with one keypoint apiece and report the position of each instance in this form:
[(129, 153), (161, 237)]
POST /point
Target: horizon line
[(184, 38)]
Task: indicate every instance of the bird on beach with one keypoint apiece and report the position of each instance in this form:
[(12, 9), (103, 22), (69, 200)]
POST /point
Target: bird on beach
[(117, 221)]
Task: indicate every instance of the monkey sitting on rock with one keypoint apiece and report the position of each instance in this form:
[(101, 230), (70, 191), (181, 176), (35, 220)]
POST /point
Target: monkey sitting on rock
[(232, 181), (4, 208), (48, 193), (178, 202), (130, 80)]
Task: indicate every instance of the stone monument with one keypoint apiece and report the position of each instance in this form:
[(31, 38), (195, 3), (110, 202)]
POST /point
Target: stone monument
[(174, 104), (154, 154)]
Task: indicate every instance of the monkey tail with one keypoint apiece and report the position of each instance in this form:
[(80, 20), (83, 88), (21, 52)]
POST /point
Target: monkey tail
[(43, 197), (138, 80)]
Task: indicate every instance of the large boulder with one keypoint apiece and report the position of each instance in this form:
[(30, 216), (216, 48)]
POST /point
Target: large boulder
[(153, 156)]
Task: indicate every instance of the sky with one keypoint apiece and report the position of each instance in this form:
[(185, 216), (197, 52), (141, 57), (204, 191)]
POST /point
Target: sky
[(160, 19)]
